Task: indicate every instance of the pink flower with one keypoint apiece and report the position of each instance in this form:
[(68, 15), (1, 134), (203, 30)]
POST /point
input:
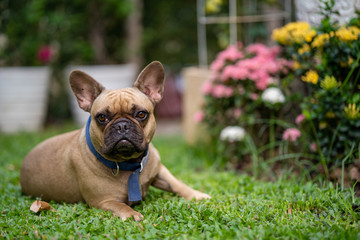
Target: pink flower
[(247, 64), (228, 92), (217, 91), (231, 53), (263, 51), (299, 119), (199, 116), (275, 50), (241, 90), (271, 67), (284, 64), (228, 72), (207, 88), (237, 112), (220, 91), (45, 54), (254, 96), (291, 134), (262, 83), (313, 147), (217, 64), (257, 62), (258, 49), (234, 72), (241, 73)]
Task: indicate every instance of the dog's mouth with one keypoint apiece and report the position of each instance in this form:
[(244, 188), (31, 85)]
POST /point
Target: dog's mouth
[(123, 140), (125, 148)]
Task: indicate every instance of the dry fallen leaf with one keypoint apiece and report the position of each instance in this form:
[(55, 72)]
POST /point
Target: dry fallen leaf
[(38, 206), (290, 209)]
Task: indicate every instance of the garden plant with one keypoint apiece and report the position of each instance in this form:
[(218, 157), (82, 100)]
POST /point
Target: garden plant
[(301, 104), (249, 90), (326, 59)]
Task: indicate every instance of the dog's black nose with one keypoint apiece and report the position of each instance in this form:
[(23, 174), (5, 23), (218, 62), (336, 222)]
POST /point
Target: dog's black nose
[(122, 127)]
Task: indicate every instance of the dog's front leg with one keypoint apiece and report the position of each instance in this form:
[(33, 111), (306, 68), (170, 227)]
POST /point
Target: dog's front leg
[(120, 209), (166, 181)]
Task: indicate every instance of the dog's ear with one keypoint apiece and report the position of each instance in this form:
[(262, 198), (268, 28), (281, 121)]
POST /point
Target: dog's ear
[(85, 88), (151, 81)]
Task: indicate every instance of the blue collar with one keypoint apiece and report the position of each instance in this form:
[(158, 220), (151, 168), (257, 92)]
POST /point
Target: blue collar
[(134, 193)]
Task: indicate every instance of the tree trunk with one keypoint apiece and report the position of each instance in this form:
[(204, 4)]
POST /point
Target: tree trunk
[(134, 33), (97, 31)]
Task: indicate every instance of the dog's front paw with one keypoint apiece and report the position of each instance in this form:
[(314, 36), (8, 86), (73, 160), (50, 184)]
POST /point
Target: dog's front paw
[(136, 216), (197, 195), (121, 210)]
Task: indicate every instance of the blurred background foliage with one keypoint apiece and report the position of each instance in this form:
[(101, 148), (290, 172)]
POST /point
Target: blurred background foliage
[(170, 32), (80, 32), (95, 32)]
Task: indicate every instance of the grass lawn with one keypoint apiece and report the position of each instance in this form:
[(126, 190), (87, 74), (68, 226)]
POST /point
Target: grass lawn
[(241, 207)]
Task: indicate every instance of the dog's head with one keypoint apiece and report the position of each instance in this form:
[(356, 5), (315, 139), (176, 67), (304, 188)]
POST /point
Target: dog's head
[(123, 121)]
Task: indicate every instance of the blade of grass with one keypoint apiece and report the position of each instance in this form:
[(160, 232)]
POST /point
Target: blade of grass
[(343, 166)]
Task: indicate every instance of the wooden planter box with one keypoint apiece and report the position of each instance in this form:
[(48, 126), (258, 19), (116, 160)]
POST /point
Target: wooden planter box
[(192, 101)]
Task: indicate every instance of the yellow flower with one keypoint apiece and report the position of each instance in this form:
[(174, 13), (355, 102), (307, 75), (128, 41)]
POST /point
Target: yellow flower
[(348, 34), (352, 112), (311, 76), (294, 32), (305, 48), (330, 115), (320, 40), (309, 35), (348, 63), (329, 83), (280, 35), (213, 6), (322, 125), (296, 65)]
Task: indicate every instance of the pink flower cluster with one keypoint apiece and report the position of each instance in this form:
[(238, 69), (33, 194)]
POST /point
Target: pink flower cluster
[(217, 90), (230, 54), (291, 134), (256, 62), (299, 119)]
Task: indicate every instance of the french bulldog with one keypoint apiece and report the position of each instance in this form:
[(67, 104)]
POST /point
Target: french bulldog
[(110, 163)]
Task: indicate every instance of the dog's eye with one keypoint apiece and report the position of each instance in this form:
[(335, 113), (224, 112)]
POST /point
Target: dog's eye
[(102, 118), (141, 115)]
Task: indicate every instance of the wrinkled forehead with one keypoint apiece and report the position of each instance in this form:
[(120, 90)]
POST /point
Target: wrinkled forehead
[(122, 100)]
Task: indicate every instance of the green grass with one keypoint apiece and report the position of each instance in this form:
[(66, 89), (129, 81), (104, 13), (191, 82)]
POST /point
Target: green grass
[(241, 207)]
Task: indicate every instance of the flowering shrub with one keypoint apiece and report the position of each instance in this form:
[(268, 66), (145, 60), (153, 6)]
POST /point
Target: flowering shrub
[(246, 90), (326, 60)]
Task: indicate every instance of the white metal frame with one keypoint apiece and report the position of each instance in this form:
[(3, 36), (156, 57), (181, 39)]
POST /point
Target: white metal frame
[(232, 20)]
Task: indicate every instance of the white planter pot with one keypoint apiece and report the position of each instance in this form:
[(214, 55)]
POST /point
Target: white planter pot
[(23, 98), (308, 11), (110, 76)]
